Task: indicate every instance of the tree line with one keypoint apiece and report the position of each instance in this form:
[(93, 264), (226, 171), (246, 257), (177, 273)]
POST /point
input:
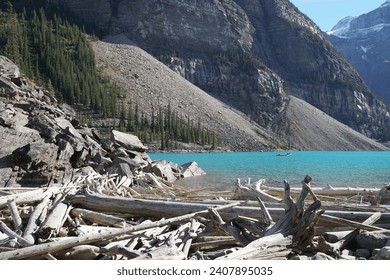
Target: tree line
[(57, 54)]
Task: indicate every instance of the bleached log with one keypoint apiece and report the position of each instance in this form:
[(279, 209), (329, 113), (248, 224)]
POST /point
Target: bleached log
[(268, 247), (42, 249), (16, 219), (252, 191), (166, 209), (350, 223), (10, 233), (156, 208), (22, 198), (98, 218), (120, 250), (191, 235), (82, 252), (380, 194), (164, 252), (37, 217), (336, 248), (55, 220)]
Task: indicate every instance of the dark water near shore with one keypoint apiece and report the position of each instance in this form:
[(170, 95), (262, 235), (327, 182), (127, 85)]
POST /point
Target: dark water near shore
[(339, 169)]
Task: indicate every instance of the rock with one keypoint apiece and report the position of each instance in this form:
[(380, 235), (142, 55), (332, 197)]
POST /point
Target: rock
[(363, 253), (321, 257), (191, 169), (44, 125), (126, 166), (163, 170), (8, 69), (128, 141), (373, 240), (383, 253), (347, 254), (38, 162)]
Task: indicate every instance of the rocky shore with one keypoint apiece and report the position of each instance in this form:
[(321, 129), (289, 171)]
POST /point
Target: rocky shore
[(44, 145)]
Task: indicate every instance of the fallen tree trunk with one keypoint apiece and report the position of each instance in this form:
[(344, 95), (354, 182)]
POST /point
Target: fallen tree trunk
[(162, 209), (22, 198)]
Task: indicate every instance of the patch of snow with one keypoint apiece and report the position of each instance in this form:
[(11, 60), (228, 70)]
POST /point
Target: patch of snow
[(346, 32), (342, 27), (386, 4), (366, 49)]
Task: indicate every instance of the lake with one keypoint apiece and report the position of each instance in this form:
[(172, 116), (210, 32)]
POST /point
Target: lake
[(338, 169)]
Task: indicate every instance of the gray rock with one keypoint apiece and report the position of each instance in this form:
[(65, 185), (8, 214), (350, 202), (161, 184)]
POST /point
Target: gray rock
[(163, 170), (321, 257), (191, 169), (383, 253), (128, 141), (8, 68), (373, 240), (363, 253), (44, 125)]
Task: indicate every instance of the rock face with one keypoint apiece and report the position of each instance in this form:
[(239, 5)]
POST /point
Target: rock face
[(365, 41), (42, 144), (249, 54)]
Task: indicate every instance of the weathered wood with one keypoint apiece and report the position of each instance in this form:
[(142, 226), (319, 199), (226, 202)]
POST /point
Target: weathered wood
[(379, 196), (252, 191), (336, 248), (191, 235), (55, 220), (16, 219), (346, 222), (167, 209), (155, 208), (22, 198), (5, 229), (98, 218), (38, 216), (268, 247), (42, 249)]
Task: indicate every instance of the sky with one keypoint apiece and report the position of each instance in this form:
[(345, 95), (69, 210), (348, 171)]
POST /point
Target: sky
[(326, 13)]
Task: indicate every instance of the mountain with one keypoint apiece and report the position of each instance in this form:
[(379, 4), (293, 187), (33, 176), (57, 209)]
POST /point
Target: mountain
[(154, 83), (249, 54), (365, 41)]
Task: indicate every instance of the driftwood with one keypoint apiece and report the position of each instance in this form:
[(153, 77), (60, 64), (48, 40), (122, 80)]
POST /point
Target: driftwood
[(37, 217), (17, 220), (336, 248), (97, 217), (22, 198), (381, 193), (43, 249)]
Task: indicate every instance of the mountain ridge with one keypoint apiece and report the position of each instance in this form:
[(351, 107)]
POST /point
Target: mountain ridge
[(248, 54), (364, 40)]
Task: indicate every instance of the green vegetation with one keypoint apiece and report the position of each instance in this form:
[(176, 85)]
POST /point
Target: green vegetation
[(56, 54)]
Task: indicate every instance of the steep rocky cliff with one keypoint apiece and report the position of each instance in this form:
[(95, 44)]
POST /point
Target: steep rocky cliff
[(365, 41), (250, 54)]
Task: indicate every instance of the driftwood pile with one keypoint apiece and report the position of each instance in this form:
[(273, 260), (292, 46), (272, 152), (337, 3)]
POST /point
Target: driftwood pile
[(103, 217)]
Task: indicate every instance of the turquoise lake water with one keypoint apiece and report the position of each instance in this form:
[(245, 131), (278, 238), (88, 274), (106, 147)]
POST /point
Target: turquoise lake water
[(339, 169)]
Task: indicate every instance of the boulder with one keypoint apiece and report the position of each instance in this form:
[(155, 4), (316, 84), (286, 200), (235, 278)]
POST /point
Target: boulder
[(384, 253), (373, 240), (128, 141), (321, 257), (191, 169), (363, 253), (163, 170)]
